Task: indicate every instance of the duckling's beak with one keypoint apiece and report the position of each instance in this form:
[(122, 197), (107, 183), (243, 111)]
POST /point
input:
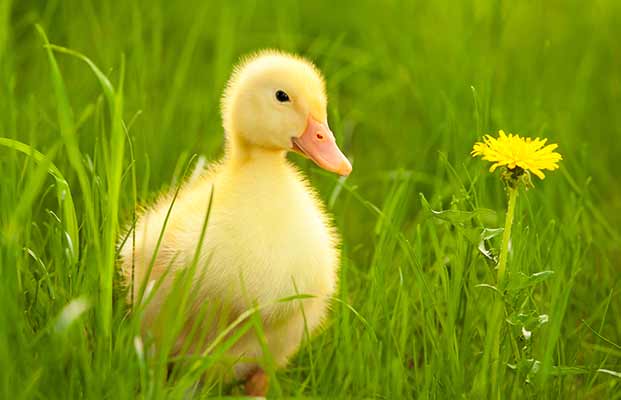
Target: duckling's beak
[(317, 143)]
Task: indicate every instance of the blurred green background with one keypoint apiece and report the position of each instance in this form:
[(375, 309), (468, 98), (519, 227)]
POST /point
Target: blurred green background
[(411, 85)]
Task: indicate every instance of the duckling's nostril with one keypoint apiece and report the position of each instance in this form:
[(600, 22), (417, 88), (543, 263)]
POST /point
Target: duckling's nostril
[(319, 136)]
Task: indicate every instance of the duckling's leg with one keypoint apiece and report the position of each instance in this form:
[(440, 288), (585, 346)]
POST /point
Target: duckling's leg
[(257, 383)]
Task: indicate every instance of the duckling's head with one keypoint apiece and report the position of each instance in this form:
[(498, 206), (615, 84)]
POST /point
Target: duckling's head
[(278, 101)]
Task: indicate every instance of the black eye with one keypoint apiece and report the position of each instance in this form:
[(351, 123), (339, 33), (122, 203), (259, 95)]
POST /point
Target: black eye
[(282, 96)]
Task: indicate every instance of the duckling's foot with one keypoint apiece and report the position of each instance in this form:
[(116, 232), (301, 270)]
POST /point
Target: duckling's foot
[(258, 384)]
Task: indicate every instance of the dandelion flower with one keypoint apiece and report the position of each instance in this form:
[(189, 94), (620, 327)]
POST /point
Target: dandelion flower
[(514, 151), (520, 156)]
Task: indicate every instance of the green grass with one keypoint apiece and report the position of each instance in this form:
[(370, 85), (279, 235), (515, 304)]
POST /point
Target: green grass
[(412, 86)]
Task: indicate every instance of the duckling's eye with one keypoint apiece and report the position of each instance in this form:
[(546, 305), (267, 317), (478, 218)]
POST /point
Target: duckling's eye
[(282, 96)]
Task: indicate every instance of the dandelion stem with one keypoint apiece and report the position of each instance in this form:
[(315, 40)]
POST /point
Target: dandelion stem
[(506, 236), (499, 306)]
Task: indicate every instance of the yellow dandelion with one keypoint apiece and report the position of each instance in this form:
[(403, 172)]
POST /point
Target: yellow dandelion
[(515, 151), (520, 156)]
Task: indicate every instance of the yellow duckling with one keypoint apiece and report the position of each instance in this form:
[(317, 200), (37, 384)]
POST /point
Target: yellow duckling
[(267, 237)]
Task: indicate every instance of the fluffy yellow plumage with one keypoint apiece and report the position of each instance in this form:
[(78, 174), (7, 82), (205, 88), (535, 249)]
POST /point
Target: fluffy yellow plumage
[(515, 151), (268, 236)]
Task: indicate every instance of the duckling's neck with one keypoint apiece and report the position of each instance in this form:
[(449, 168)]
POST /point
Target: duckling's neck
[(240, 153)]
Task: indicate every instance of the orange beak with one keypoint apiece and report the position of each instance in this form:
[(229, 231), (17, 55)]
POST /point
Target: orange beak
[(317, 143)]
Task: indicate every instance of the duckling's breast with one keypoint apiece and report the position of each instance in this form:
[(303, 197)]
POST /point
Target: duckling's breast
[(268, 239)]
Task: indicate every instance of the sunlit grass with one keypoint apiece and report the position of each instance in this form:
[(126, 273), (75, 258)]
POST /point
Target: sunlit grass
[(114, 111)]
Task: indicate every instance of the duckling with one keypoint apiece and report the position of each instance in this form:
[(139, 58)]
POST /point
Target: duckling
[(268, 236)]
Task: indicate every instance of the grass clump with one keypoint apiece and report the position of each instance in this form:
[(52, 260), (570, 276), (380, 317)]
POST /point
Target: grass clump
[(107, 103)]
